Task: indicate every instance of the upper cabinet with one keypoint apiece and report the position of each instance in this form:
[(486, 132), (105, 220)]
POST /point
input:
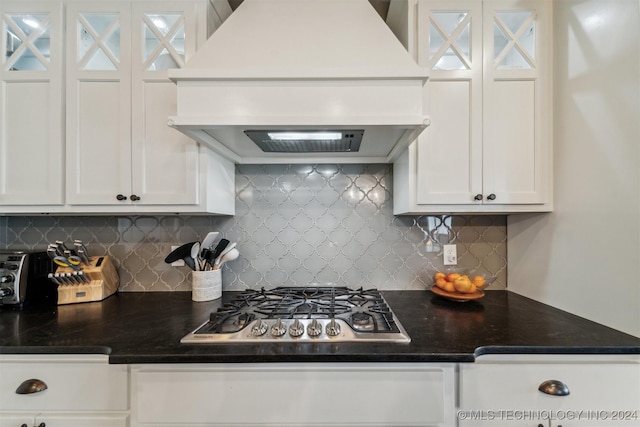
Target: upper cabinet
[(121, 155), (31, 118), (489, 145)]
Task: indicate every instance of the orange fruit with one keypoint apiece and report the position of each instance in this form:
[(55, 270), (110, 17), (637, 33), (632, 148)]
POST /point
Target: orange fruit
[(451, 277), (439, 275), (448, 286), (463, 285), (478, 281), (440, 282)]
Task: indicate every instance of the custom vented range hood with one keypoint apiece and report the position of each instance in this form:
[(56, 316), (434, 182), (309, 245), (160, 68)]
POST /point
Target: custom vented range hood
[(278, 68)]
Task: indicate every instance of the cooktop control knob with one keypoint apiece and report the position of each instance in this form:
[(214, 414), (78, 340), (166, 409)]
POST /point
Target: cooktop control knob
[(296, 329), (259, 328), (6, 279), (333, 328), (314, 329), (278, 329)]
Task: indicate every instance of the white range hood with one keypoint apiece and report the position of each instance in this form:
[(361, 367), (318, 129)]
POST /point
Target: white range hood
[(295, 65)]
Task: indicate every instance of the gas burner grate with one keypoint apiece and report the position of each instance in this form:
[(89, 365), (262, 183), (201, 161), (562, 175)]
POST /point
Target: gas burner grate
[(363, 311)]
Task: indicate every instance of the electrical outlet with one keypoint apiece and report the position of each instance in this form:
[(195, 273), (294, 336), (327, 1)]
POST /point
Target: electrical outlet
[(179, 263), (450, 254)]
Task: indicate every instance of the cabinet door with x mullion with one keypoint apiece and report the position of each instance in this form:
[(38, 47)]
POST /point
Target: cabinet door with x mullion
[(165, 162), (98, 103)]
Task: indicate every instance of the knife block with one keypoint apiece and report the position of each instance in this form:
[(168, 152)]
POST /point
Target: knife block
[(104, 281)]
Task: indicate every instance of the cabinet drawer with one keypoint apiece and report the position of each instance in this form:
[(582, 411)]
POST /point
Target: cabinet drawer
[(295, 395), (513, 385), (86, 383)]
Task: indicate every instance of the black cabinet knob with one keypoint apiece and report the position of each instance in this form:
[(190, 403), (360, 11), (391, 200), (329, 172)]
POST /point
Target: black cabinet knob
[(121, 197), (478, 197), (134, 198), (491, 196)]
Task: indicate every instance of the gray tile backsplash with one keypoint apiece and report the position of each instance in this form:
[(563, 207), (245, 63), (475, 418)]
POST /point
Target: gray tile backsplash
[(294, 225)]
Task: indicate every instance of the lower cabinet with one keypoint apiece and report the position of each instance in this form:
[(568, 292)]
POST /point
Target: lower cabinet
[(302, 394), (63, 391), (585, 391), (495, 391)]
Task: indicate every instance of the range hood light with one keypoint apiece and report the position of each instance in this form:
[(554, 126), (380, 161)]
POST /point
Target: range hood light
[(313, 136), (307, 141)]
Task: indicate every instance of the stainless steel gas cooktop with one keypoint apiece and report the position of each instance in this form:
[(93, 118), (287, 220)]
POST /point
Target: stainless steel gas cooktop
[(302, 314)]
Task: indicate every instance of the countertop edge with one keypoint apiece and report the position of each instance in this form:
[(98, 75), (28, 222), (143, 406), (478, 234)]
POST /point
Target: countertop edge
[(297, 358), (55, 350)]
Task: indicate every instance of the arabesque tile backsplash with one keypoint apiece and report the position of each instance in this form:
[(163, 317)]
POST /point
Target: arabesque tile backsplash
[(294, 225)]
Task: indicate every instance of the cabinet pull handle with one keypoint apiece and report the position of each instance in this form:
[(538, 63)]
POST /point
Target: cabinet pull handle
[(121, 197), (478, 197), (554, 388), (134, 198), (31, 386), (42, 425), (491, 196)]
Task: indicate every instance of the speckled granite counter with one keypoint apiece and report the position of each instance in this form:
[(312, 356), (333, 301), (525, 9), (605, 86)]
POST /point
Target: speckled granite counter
[(147, 327)]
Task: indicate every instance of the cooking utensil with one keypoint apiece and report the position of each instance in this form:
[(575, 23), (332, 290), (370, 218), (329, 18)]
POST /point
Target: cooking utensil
[(182, 253), (52, 252), (81, 251), (221, 246), (228, 256), (209, 239), (71, 261), (83, 256), (229, 247), (207, 259), (61, 247), (195, 255)]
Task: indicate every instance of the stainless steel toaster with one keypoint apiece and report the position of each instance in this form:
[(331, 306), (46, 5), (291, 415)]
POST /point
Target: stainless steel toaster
[(23, 277)]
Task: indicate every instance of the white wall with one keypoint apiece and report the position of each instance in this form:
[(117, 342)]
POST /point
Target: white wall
[(585, 256)]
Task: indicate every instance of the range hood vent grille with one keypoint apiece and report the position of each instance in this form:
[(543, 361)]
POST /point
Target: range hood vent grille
[(345, 141)]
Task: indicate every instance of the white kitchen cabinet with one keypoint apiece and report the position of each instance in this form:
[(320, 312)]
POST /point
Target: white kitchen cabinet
[(31, 120), (335, 394), (488, 148), (501, 390), (121, 154), (81, 391)]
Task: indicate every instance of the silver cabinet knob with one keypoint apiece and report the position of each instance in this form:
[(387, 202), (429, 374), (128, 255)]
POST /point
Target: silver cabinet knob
[(491, 196), (31, 386), (554, 388), (121, 197), (478, 197)]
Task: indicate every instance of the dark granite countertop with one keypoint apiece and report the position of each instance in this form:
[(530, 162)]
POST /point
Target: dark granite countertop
[(146, 327)]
